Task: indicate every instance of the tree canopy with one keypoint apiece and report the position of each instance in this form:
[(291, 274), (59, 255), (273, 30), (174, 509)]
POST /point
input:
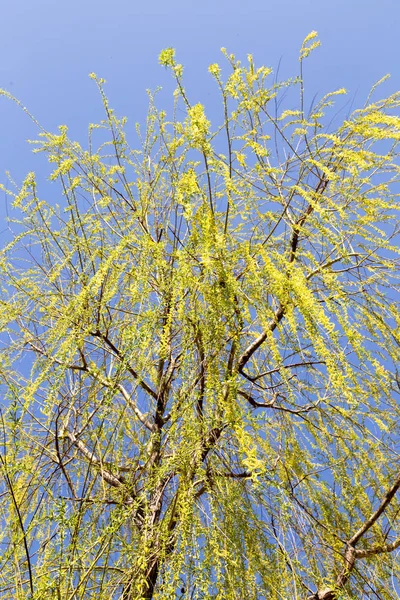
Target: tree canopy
[(198, 352)]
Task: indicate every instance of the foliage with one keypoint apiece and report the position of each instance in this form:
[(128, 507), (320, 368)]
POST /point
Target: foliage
[(199, 354)]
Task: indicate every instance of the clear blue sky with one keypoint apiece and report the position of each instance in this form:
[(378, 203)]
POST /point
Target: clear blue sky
[(48, 48)]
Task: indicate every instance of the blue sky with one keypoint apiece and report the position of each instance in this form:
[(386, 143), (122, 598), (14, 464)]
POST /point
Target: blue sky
[(48, 48)]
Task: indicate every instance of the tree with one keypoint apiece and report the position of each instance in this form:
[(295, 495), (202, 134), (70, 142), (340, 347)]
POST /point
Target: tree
[(199, 351)]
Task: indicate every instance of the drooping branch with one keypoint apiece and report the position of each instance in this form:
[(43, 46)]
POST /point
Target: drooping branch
[(375, 516), (248, 353), (352, 554), (279, 313), (20, 521), (130, 369), (91, 457), (106, 382)]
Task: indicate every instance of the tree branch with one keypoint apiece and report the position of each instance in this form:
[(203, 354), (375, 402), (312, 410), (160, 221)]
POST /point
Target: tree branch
[(132, 371), (248, 353), (375, 516), (352, 554)]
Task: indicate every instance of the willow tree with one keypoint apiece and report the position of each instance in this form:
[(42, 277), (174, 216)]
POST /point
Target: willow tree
[(200, 396)]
